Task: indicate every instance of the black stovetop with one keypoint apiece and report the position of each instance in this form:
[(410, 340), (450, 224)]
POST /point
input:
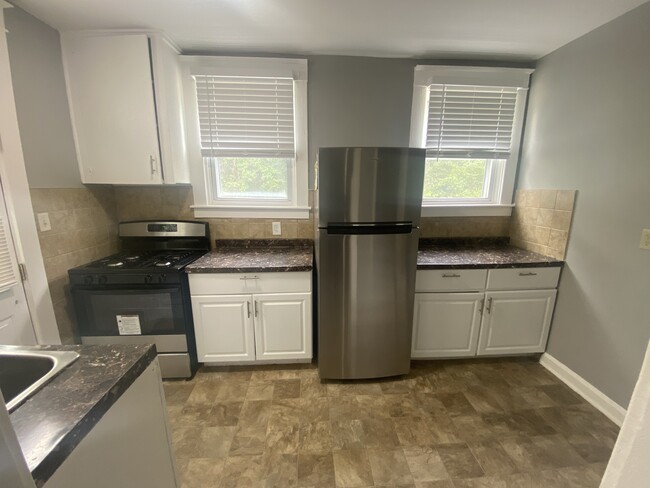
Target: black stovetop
[(146, 261)]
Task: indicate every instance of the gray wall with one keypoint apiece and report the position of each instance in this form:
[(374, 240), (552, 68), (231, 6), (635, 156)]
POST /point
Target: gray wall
[(41, 102), (360, 101), (588, 128), (356, 101)]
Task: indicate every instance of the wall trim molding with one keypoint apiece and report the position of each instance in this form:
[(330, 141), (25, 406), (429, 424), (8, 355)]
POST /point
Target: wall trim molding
[(586, 390)]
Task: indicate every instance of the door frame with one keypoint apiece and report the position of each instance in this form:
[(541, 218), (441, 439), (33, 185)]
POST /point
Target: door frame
[(19, 205)]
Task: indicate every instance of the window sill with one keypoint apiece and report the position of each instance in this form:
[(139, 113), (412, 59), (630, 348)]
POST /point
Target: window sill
[(250, 212), (466, 210)]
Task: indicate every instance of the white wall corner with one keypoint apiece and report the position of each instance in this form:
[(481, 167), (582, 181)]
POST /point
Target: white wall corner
[(608, 407)]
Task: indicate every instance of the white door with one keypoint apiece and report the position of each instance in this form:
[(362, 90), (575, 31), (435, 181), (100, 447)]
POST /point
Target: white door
[(516, 322), (224, 328), (114, 114), (283, 324), (15, 322), (446, 324)]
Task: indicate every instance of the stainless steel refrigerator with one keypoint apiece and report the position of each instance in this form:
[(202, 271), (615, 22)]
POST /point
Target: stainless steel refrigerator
[(368, 212)]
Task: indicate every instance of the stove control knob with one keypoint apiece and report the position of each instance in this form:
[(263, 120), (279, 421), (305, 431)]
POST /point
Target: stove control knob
[(148, 278), (103, 279), (162, 278), (88, 280)]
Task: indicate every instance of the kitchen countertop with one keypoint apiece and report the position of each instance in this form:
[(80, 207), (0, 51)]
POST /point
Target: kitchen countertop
[(52, 422), (478, 253), (256, 256)]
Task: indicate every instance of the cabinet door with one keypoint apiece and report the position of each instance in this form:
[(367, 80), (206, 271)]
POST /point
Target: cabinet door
[(283, 326), (446, 324), (224, 328), (516, 322), (113, 110)]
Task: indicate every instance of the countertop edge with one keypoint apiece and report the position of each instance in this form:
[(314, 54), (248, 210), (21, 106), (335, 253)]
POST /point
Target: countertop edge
[(259, 269), (549, 264), (67, 444)]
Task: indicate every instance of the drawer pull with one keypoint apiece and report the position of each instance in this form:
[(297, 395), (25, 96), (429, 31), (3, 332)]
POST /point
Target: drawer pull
[(530, 273), (249, 278), (453, 275), (488, 307)]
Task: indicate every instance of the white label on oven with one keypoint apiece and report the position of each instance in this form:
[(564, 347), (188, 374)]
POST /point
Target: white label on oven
[(128, 324)]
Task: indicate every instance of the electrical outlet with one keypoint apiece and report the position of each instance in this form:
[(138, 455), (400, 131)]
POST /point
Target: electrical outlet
[(44, 221), (645, 239), (277, 228)]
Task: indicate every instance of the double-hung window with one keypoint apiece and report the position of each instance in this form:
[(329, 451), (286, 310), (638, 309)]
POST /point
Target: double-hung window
[(470, 121), (250, 133)]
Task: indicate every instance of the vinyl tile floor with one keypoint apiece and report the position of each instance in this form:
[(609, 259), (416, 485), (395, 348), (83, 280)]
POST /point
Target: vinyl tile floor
[(448, 424)]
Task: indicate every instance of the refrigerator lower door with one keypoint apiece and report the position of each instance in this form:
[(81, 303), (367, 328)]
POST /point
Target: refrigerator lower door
[(366, 285)]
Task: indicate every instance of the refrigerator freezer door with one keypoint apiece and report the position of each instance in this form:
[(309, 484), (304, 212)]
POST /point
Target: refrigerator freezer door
[(366, 287), (370, 185)]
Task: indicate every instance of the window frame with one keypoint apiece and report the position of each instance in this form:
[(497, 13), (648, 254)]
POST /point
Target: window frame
[(500, 201), (202, 170)]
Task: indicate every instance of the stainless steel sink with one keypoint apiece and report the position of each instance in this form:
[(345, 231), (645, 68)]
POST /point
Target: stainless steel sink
[(24, 370)]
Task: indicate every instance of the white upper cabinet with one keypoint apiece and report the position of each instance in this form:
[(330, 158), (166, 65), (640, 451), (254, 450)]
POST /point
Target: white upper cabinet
[(124, 94)]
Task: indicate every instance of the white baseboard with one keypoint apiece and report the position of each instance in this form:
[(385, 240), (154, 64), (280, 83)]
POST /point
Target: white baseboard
[(586, 390)]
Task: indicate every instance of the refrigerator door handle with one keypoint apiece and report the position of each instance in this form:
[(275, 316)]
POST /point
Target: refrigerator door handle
[(368, 229)]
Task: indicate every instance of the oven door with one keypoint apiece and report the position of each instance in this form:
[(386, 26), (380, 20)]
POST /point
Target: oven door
[(129, 311)]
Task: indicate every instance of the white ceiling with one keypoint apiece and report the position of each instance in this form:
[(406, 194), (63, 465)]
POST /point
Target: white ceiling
[(504, 29)]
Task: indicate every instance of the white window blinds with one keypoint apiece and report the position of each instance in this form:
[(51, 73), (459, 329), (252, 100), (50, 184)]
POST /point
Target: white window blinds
[(246, 116), (7, 271), (466, 121)]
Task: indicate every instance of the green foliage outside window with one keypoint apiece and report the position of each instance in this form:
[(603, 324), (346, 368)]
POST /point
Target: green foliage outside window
[(454, 178), (254, 177)]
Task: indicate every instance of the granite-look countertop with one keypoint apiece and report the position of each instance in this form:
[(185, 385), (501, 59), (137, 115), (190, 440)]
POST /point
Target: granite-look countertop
[(53, 421), (478, 253), (256, 256)]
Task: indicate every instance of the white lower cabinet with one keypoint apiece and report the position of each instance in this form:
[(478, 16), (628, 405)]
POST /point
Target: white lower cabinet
[(446, 324), (130, 446), (516, 322), (224, 328), (481, 322), (281, 326), (255, 326)]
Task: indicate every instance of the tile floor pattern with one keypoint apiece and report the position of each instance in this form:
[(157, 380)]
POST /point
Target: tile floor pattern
[(448, 424)]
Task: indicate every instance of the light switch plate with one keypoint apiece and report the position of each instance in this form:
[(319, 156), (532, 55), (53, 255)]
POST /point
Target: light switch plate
[(645, 239), (277, 228), (44, 221)]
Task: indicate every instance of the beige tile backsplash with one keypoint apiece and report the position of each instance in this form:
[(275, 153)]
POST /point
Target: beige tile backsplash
[(541, 221), (84, 228), (464, 227), (134, 203)]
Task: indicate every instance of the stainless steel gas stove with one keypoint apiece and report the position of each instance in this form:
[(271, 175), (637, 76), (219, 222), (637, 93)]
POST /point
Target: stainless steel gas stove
[(141, 295)]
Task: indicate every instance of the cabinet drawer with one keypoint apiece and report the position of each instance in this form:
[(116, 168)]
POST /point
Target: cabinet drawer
[(523, 278), (450, 280), (239, 283)]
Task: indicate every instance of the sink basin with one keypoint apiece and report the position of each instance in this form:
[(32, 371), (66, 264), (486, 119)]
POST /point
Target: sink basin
[(23, 371)]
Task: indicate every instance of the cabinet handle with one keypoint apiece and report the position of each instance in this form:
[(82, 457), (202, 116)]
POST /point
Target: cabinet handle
[(488, 308), (530, 273), (248, 307), (453, 275), (154, 166), (249, 278), (255, 308), (481, 305)]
